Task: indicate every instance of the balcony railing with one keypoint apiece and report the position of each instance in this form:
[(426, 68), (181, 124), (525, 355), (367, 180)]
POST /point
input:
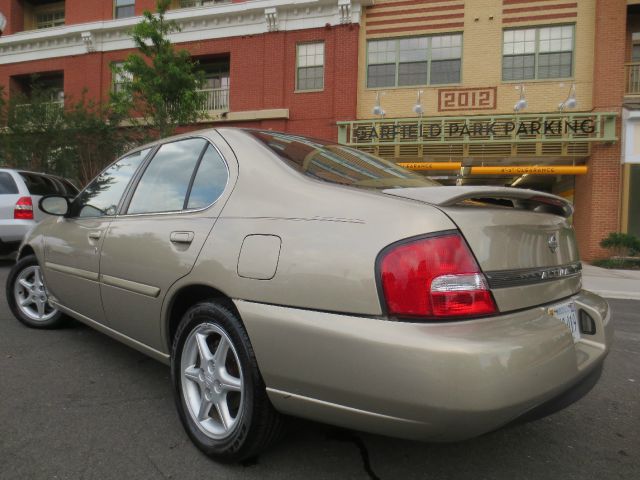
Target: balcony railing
[(200, 3), (46, 110), (215, 99), (632, 74)]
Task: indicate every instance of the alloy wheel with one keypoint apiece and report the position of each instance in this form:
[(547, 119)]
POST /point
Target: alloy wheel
[(31, 295), (212, 381)]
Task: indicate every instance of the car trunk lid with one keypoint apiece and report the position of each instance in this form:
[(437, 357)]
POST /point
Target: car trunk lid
[(521, 239)]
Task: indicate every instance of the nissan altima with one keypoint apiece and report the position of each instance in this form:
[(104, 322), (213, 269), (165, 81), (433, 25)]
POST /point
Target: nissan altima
[(282, 275)]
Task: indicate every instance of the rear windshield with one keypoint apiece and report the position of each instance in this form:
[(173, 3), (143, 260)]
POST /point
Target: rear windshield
[(339, 164), (40, 185), (69, 187), (64, 187), (7, 184)]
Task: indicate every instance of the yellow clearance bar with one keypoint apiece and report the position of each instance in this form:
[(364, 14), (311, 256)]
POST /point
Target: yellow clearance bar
[(507, 170), (431, 165), (530, 170)]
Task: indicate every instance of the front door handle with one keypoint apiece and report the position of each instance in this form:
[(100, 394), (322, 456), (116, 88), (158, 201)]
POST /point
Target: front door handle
[(95, 235), (181, 237)]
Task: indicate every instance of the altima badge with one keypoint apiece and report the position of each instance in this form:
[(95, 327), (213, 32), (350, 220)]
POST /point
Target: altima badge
[(553, 243)]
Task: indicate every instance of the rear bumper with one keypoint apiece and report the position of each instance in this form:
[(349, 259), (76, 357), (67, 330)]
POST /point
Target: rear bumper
[(12, 231), (438, 382)]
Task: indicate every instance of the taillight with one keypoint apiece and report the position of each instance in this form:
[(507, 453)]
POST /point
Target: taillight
[(434, 277), (23, 209)]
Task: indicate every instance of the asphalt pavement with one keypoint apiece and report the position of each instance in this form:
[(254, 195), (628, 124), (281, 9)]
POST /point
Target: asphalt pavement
[(75, 404)]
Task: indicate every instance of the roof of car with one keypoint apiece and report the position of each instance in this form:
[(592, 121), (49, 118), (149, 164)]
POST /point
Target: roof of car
[(30, 172)]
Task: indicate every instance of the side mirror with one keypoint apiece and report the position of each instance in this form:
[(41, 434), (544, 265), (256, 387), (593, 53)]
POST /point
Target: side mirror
[(54, 205)]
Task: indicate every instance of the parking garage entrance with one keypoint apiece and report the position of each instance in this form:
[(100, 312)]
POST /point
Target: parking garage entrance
[(539, 151)]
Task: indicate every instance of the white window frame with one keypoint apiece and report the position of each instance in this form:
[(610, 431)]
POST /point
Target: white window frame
[(306, 59), (428, 57), (536, 40)]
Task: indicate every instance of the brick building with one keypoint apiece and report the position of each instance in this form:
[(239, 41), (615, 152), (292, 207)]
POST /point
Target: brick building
[(270, 63), (527, 93)]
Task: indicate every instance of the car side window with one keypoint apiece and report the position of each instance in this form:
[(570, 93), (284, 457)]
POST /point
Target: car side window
[(38, 184), (70, 188), (210, 180), (164, 185), (102, 196), (7, 184)]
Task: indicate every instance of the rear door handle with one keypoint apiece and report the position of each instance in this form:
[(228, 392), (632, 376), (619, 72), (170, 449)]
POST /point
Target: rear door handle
[(181, 237), (95, 235)]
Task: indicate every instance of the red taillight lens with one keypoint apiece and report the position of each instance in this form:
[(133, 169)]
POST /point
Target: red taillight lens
[(23, 209), (435, 277)]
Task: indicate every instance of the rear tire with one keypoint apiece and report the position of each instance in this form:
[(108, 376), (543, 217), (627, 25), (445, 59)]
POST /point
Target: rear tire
[(28, 298), (219, 392)]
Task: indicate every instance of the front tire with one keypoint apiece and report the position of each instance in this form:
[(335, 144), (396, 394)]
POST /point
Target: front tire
[(219, 392), (28, 298)]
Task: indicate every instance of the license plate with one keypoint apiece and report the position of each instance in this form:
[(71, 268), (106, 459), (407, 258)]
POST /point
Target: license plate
[(567, 314)]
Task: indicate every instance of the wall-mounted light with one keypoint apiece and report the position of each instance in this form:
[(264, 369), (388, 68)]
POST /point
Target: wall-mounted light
[(417, 108), (377, 109), (522, 103), (571, 101)]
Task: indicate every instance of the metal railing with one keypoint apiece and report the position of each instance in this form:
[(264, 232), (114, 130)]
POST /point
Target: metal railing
[(215, 99), (632, 75), (200, 3), (46, 110)]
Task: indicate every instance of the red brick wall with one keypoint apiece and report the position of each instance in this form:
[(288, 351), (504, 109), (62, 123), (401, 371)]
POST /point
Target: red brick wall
[(262, 76), (83, 11), (13, 11), (598, 194), (142, 5), (80, 73)]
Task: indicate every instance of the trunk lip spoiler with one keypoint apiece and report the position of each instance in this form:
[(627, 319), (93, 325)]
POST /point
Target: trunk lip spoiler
[(530, 276), (449, 196)]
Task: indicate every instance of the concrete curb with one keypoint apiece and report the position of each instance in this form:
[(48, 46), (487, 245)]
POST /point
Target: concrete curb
[(615, 294)]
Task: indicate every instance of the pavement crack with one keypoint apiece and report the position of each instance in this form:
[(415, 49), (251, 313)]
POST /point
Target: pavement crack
[(346, 436), (157, 467)]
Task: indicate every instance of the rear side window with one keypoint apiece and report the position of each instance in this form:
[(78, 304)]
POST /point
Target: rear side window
[(7, 184), (164, 185), (38, 184), (210, 180)]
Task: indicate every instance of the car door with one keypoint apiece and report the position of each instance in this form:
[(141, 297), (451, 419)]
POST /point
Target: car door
[(158, 236), (72, 243)]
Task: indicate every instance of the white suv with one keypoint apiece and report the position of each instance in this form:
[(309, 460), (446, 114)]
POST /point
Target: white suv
[(20, 192)]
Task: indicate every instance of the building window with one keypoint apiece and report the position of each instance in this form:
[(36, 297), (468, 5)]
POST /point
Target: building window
[(50, 19), (310, 66), (124, 8), (538, 53), (119, 77), (434, 60), (635, 47)]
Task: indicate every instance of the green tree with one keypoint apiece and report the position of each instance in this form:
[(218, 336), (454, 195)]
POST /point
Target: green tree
[(76, 141), (621, 244), (162, 90)]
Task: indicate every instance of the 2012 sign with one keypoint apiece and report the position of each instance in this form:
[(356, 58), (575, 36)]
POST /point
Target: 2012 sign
[(457, 99)]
